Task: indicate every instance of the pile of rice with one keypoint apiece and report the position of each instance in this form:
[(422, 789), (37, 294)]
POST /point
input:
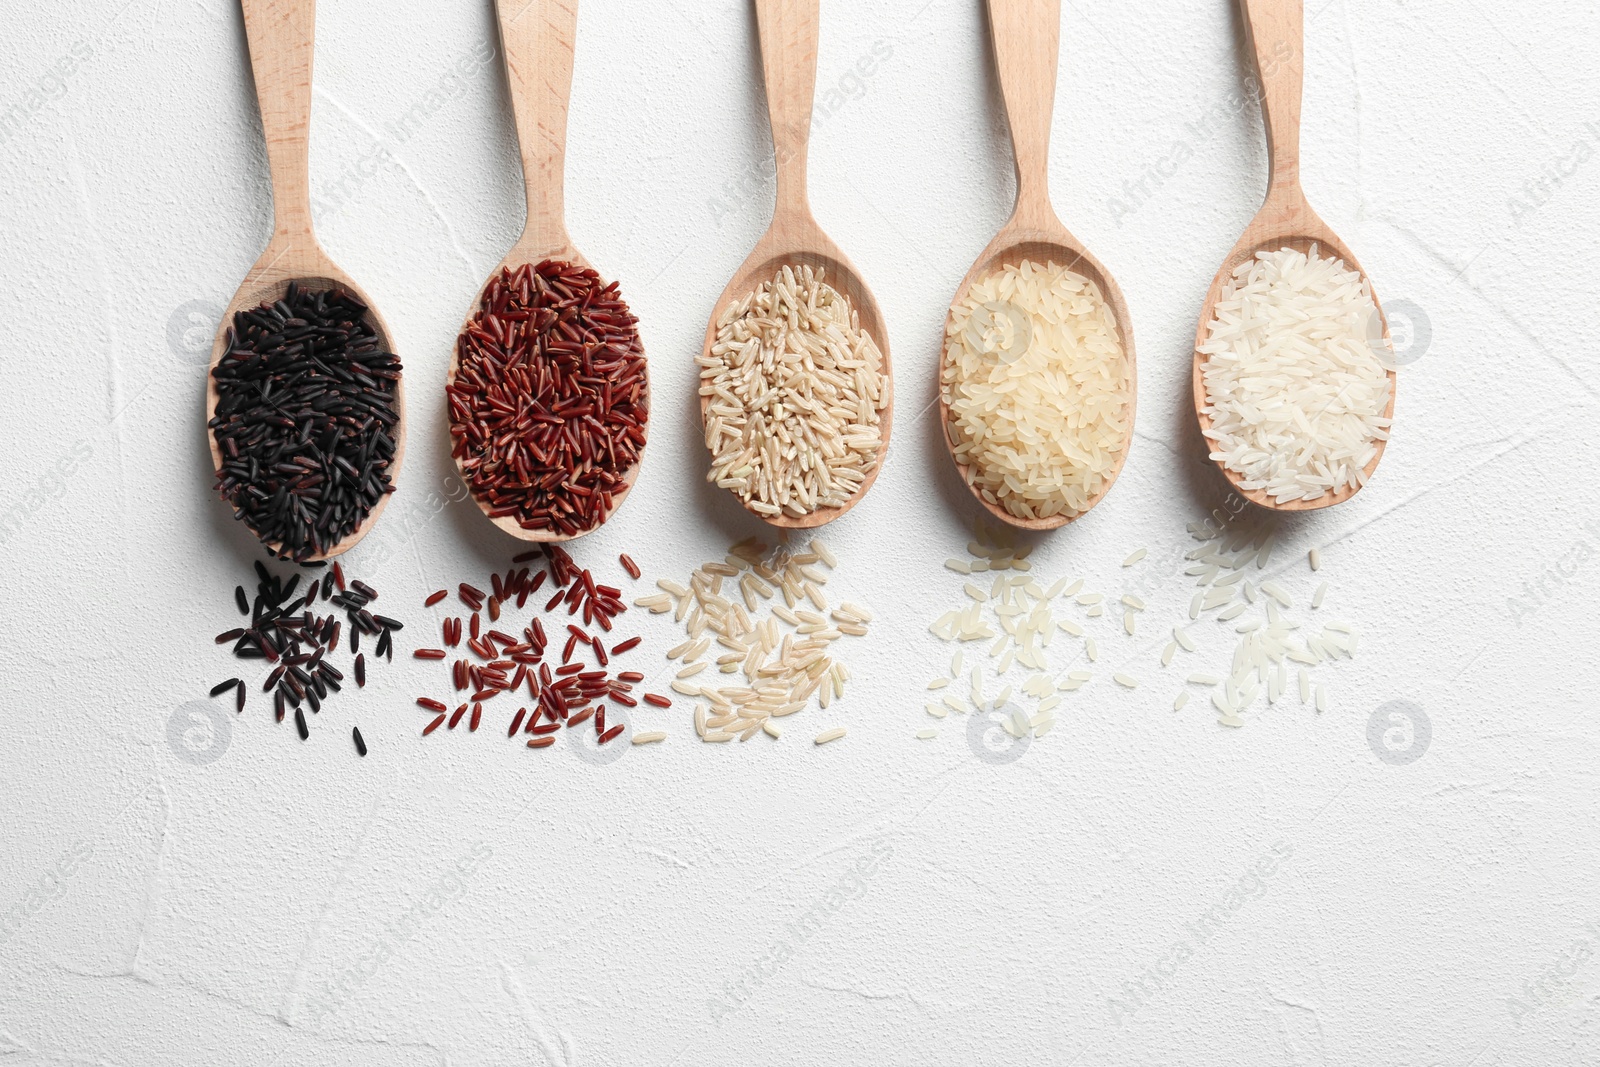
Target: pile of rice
[(1295, 386), (1269, 639), (762, 616), (796, 390), (1010, 617), (1037, 390)]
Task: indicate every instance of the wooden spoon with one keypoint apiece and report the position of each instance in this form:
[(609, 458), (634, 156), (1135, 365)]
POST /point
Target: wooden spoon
[(281, 34), (537, 38), (1026, 38), (789, 30), (1275, 30)]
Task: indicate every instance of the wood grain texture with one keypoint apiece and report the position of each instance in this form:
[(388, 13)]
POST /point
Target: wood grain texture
[(1286, 220), (538, 39), (281, 37), (1025, 35), (789, 31)]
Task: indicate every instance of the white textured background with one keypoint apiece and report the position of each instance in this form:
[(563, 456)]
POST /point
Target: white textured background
[(465, 901)]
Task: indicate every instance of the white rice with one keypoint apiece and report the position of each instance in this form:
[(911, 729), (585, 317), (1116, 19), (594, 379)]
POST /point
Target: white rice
[(1037, 388), (1295, 389)]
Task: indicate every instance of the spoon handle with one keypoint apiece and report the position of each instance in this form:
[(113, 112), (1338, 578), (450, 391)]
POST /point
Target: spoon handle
[(789, 30), (1027, 42), (538, 38), (280, 35), (1276, 31)]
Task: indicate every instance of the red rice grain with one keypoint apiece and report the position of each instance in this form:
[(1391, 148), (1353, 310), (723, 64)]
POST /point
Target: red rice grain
[(548, 407)]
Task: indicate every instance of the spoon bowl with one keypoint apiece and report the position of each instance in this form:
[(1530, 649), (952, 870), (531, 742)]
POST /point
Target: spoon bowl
[(1286, 220), (281, 38), (537, 39), (789, 30), (1025, 35), (774, 252)]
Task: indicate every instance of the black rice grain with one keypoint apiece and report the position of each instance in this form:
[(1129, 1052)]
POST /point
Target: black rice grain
[(300, 644), (361, 746), (304, 420)]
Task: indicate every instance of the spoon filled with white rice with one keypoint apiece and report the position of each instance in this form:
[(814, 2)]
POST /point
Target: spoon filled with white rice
[(1036, 381), (1293, 367)]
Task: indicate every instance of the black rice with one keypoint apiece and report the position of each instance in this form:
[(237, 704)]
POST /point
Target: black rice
[(361, 746), (304, 421), (300, 644), (300, 723)]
